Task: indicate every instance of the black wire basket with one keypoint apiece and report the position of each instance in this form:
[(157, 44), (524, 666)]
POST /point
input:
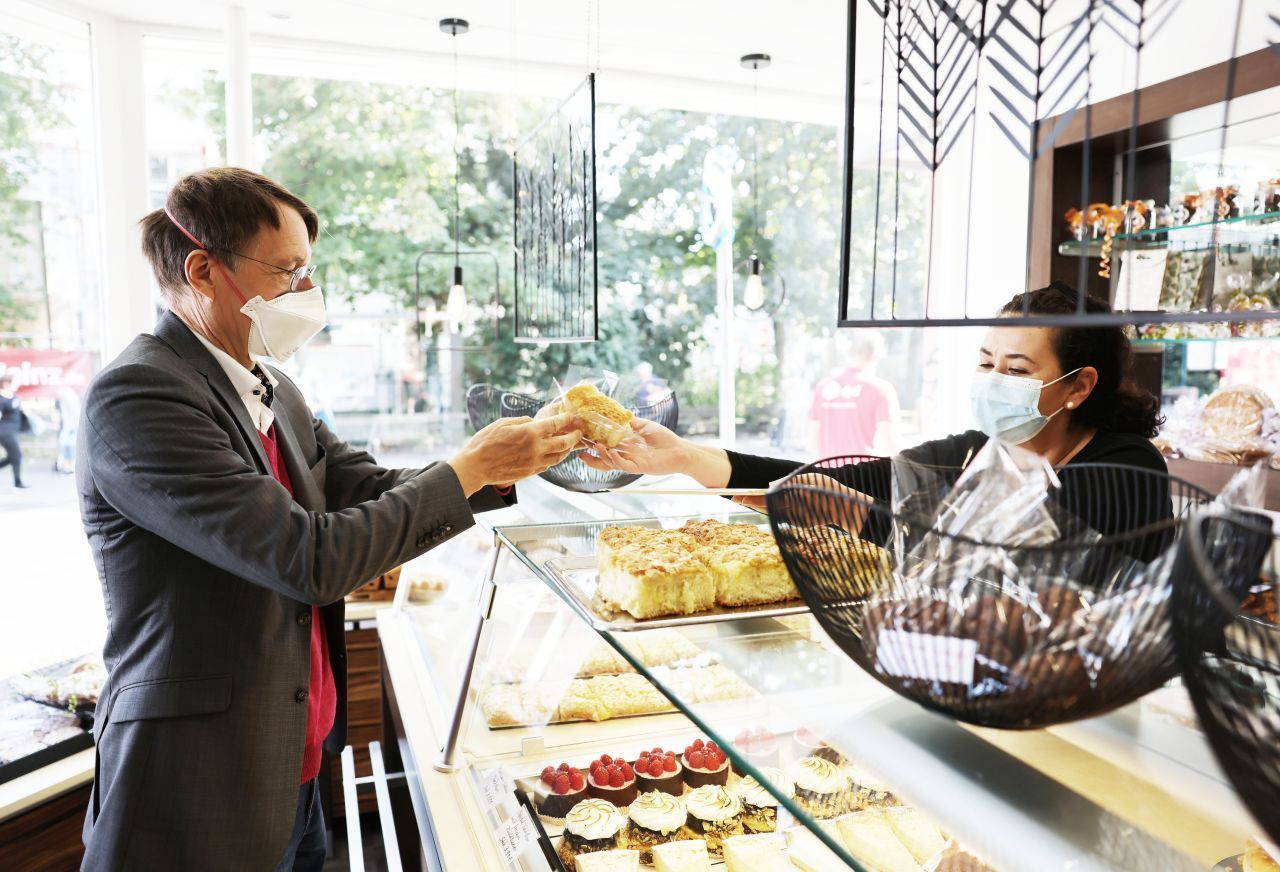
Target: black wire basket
[(486, 403), (1229, 643), (1042, 624)]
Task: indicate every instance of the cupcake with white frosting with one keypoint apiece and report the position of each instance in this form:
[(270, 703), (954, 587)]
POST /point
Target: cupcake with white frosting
[(759, 806), (655, 818), (591, 825), (715, 814), (822, 788)]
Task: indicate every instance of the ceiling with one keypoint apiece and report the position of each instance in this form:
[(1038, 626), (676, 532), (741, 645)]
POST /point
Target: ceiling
[(676, 53)]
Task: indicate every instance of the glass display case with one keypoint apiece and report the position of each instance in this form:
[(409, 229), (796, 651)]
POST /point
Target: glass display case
[(845, 773)]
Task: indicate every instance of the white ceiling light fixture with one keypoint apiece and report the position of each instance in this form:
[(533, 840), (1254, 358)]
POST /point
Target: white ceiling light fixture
[(456, 302), (753, 293)]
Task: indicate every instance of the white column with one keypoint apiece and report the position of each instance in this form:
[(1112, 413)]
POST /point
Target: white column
[(239, 90), (127, 308)]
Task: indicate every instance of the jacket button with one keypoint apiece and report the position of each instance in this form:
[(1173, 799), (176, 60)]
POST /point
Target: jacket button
[(304, 618), (300, 696)]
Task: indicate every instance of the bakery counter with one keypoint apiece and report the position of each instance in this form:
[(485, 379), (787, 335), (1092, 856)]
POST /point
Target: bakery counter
[(777, 698), (565, 702)]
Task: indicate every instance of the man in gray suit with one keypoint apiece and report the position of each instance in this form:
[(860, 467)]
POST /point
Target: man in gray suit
[(227, 525)]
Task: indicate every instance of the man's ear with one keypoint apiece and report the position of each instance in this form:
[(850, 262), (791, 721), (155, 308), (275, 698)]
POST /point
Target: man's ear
[(199, 272)]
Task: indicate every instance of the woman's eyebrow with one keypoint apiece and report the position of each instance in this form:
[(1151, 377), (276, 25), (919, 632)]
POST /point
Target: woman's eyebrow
[(1016, 356)]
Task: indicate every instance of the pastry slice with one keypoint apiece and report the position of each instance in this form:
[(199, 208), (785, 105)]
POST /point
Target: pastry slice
[(664, 647), (916, 832), (609, 861), (604, 419), (625, 695), (686, 855), (752, 574), (756, 853), (585, 700), (868, 837), (809, 854), (649, 573), (502, 705)]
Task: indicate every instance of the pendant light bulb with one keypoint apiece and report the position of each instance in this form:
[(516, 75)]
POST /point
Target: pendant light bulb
[(456, 305), (753, 293)]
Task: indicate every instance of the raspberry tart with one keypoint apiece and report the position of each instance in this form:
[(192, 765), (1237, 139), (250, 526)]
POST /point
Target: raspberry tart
[(704, 763), (659, 770), (613, 779), (560, 789)]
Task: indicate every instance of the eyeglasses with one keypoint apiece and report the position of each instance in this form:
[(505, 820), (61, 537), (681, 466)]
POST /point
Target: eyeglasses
[(296, 276)]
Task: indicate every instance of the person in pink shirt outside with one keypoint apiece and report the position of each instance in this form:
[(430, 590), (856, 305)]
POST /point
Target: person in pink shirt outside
[(855, 411)]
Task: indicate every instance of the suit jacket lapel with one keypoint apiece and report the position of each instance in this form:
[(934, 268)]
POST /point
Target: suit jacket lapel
[(177, 335)]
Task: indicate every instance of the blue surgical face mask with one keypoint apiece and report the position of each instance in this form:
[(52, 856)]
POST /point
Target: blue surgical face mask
[(1007, 407)]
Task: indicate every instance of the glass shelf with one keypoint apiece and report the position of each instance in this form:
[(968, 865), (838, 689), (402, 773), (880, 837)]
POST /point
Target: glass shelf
[(1254, 232), (1240, 222)]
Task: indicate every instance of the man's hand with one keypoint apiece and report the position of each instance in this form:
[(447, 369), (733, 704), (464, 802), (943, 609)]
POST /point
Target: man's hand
[(511, 449)]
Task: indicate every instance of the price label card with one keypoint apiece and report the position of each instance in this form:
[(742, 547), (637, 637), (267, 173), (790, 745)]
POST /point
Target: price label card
[(495, 787), (1141, 280), (515, 835), (920, 655)]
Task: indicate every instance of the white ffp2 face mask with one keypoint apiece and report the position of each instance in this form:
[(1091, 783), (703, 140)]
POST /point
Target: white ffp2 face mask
[(1007, 407), (281, 326)]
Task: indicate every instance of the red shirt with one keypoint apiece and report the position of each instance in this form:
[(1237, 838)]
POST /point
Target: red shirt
[(848, 409), (322, 693)]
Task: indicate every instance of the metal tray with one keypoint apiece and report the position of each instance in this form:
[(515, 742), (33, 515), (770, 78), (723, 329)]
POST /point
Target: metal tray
[(575, 579)]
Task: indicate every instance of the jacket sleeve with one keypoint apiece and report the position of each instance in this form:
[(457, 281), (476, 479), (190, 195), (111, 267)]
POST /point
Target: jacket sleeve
[(159, 457)]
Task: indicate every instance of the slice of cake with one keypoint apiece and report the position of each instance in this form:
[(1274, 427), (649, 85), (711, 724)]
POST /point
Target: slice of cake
[(686, 855), (650, 573), (756, 853), (621, 860), (808, 853), (748, 565), (919, 834), (869, 837), (604, 419)]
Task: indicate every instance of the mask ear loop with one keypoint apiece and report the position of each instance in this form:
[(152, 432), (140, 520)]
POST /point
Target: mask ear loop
[(200, 245), (1054, 382)]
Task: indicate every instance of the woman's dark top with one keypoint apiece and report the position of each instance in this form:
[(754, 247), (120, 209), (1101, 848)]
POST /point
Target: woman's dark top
[(1110, 501), (10, 416)]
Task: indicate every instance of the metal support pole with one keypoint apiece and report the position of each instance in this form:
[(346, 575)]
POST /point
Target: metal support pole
[(448, 754)]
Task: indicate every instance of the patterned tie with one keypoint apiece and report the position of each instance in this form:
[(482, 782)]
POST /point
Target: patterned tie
[(268, 392)]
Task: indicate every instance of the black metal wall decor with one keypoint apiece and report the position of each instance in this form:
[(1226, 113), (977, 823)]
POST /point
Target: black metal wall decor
[(556, 281), (928, 74)]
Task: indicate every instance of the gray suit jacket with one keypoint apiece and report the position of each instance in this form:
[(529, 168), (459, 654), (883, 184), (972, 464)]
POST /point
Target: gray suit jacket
[(209, 570)]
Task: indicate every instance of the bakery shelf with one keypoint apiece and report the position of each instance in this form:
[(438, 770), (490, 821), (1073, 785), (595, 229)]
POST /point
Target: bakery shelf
[(1260, 223), (1260, 232)]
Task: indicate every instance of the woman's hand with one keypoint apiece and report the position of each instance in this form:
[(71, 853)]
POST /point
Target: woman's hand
[(654, 450), (836, 505)]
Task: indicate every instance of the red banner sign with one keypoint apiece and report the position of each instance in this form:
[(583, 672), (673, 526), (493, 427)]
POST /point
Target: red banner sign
[(42, 374)]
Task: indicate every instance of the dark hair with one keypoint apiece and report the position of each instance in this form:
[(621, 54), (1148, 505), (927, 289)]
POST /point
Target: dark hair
[(223, 207), (1116, 403)]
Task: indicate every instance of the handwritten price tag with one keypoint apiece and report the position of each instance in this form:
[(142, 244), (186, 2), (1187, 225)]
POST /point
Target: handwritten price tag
[(515, 835), (495, 787)]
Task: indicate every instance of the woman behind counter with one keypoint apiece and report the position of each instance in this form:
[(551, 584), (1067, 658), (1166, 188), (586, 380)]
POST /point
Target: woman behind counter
[(1066, 393)]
